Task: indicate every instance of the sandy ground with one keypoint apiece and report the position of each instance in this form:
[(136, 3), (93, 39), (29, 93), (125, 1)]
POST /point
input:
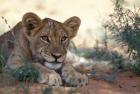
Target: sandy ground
[(126, 83)]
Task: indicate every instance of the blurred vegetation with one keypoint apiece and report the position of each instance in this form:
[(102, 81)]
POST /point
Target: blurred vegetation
[(124, 25), (26, 73), (102, 54)]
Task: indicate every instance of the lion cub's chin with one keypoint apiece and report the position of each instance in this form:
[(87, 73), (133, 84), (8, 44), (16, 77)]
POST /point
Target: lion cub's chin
[(53, 66)]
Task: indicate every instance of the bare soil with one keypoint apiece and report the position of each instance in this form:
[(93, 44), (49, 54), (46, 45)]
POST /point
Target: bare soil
[(126, 83)]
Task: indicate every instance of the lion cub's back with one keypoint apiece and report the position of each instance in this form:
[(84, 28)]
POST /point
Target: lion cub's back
[(6, 44)]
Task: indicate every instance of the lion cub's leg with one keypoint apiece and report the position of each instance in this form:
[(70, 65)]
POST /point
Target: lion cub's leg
[(73, 77), (46, 75)]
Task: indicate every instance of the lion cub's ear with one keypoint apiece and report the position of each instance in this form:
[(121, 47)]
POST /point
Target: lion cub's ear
[(31, 21), (73, 23)]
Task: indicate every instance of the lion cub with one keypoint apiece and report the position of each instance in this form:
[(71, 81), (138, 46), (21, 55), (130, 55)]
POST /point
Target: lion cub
[(44, 43)]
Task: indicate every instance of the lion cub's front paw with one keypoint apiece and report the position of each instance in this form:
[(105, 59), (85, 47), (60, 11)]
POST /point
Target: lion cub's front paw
[(74, 78), (51, 78)]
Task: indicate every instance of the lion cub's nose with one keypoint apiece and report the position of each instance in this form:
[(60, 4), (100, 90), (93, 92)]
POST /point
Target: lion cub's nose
[(56, 55)]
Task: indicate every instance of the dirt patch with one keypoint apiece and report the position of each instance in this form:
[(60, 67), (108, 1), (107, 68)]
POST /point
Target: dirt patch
[(126, 83)]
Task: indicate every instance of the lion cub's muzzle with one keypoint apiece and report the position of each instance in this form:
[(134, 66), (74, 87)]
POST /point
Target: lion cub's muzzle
[(55, 60)]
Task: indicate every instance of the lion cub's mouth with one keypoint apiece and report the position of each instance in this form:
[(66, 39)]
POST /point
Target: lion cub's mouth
[(53, 65)]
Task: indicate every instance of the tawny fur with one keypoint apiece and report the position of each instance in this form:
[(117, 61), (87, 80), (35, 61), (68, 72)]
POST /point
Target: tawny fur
[(43, 42)]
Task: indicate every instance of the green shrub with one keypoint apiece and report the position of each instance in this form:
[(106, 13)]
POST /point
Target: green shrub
[(26, 73), (124, 26), (102, 54), (136, 68)]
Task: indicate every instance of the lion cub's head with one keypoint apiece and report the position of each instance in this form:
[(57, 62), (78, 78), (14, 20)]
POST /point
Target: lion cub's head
[(49, 39)]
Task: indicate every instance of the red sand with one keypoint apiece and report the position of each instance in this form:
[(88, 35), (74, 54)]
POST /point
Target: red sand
[(126, 83)]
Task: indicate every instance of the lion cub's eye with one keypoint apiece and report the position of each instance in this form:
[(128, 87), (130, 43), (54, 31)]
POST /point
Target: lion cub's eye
[(45, 38), (64, 38)]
